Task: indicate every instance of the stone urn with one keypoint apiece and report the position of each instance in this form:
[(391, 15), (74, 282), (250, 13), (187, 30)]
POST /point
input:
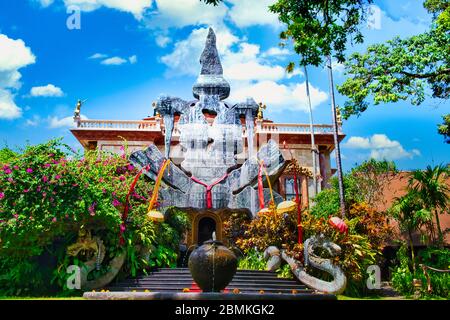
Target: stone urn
[(212, 266)]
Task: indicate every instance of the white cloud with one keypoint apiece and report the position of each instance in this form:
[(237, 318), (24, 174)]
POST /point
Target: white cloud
[(162, 41), (8, 108), (49, 90), (280, 96), (33, 122), (276, 51), (358, 143), (14, 56), (98, 56), (114, 61), (132, 59), (135, 7), (55, 122), (252, 12), (182, 13), (381, 147), (44, 3)]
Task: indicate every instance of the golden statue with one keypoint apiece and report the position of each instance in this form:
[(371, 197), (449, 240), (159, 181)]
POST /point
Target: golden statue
[(338, 115), (260, 111), (77, 111)]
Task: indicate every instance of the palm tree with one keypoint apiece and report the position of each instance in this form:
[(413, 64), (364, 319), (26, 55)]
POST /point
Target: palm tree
[(411, 216), (432, 188)]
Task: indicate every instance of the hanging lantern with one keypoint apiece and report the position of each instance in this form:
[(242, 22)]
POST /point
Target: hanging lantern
[(338, 224), (286, 206), (155, 215)]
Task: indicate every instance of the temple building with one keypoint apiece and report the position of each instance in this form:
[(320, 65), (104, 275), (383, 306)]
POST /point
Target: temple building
[(182, 130)]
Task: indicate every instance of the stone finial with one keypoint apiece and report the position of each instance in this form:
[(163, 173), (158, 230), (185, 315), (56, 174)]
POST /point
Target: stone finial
[(209, 59), (211, 81)]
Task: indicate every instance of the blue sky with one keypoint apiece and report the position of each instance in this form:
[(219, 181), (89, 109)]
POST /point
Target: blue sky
[(127, 53)]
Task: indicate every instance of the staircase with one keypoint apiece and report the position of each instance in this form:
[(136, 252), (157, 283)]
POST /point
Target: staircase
[(176, 279)]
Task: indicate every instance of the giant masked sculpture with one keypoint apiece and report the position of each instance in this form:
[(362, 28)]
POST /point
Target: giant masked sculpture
[(209, 177)]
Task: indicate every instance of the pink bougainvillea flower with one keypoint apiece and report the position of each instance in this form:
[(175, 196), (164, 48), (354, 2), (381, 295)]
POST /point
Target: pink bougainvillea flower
[(122, 227), (16, 167), (101, 180), (115, 203), (75, 185), (121, 178), (51, 155), (57, 177), (54, 219), (15, 215), (29, 170), (26, 190), (92, 208), (2, 195), (104, 190), (7, 171), (47, 165), (45, 178), (10, 180), (130, 167)]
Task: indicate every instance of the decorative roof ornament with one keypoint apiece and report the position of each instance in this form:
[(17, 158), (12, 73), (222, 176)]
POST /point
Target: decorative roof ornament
[(293, 166), (211, 81), (262, 107)]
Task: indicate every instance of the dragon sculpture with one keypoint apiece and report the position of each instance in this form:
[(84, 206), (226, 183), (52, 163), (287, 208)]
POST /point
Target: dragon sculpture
[(94, 249), (336, 286)]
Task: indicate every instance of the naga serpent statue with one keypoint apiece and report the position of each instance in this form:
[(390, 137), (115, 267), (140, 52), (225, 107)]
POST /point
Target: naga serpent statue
[(336, 286), (94, 247)]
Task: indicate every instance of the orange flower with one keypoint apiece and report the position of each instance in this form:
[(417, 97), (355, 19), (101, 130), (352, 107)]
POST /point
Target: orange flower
[(236, 290), (186, 290)]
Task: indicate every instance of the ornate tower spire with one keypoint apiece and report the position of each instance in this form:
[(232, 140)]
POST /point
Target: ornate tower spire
[(211, 81)]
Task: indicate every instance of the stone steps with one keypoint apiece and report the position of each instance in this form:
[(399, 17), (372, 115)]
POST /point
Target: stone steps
[(177, 279)]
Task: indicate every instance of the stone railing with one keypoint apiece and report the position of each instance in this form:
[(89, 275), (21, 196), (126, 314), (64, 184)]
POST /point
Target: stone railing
[(143, 125), (118, 125), (294, 128)]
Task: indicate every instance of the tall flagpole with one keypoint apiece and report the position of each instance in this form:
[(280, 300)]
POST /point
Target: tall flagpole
[(311, 127), (336, 140)]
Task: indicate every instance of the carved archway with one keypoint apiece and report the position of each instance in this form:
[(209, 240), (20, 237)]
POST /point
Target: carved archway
[(195, 224)]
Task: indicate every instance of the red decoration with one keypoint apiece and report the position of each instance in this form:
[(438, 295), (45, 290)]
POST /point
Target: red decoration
[(338, 224), (209, 188), (125, 211), (260, 186)]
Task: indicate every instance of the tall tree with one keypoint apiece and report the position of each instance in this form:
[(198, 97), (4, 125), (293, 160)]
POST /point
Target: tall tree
[(432, 187), (402, 69), (320, 30)]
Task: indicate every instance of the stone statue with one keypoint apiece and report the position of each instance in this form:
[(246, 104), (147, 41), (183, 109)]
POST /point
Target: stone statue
[(209, 176), (336, 286)]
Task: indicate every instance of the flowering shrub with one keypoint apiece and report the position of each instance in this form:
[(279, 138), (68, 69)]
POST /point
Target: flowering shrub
[(47, 195)]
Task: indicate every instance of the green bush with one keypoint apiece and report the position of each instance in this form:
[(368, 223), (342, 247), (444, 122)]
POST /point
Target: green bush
[(402, 276), (48, 194)]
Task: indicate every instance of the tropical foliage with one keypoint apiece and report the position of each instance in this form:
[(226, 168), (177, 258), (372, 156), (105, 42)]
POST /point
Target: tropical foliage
[(432, 189), (402, 69), (403, 276), (49, 193)]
